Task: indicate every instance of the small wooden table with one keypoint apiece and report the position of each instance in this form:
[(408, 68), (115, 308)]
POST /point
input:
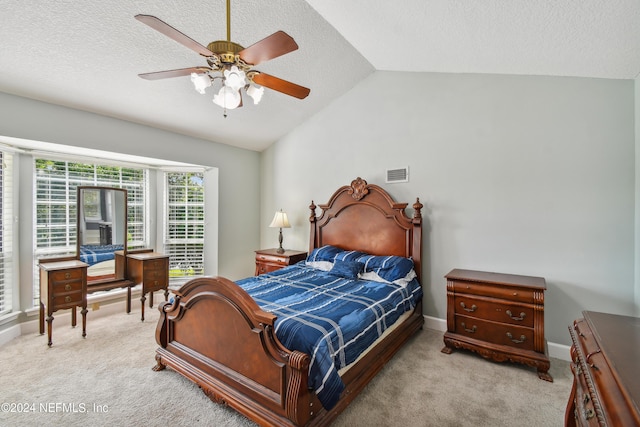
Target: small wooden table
[(499, 316), (151, 269), (63, 284), (268, 260)]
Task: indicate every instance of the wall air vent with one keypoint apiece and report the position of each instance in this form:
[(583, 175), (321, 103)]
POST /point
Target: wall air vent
[(397, 175)]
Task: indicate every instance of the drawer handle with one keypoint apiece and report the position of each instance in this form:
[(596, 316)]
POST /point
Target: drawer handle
[(67, 275), (67, 287), (521, 318), (592, 365), (517, 341), (575, 327), (470, 310), (592, 353), (472, 330), (588, 414), (67, 299)]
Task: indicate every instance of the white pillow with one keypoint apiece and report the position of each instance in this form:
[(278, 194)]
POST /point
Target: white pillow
[(373, 276), (320, 265)]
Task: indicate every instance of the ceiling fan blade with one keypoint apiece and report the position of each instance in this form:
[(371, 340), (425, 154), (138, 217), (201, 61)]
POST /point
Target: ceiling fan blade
[(174, 34), (174, 73), (273, 46), (280, 85)]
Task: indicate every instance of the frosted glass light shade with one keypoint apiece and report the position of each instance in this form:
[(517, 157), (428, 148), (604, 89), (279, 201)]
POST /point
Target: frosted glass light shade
[(200, 82), (227, 98), (234, 78), (255, 92)]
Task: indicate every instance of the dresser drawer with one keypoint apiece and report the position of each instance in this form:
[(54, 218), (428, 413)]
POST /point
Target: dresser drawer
[(586, 340), (155, 264), (271, 259), (266, 268), (584, 411), (67, 300), (496, 333), (497, 291), (64, 275), (155, 281), (60, 288), (494, 310)]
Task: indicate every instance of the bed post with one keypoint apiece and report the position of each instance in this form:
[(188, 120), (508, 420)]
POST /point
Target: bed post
[(417, 237), (312, 220)]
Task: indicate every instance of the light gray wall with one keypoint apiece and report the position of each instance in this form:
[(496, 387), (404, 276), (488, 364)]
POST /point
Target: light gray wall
[(518, 174), (238, 169), (637, 233)]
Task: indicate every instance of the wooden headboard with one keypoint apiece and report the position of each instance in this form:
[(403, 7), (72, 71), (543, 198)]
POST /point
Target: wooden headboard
[(364, 217)]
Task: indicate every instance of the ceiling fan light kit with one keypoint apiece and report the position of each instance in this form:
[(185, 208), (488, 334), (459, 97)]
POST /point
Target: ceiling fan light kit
[(231, 63)]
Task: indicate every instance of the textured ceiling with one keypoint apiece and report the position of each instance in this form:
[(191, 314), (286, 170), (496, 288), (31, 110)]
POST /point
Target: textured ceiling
[(586, 38), (87, 55)]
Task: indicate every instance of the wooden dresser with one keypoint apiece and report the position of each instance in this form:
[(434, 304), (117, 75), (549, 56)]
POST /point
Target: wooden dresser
[(63, 285), (499, 316), (606, 369), (151, 269), (268, 260)]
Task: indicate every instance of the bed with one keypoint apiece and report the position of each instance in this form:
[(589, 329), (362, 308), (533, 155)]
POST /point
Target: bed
[(231, 344)]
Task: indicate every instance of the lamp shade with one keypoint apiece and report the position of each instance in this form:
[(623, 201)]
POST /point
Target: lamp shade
[(280, 220)]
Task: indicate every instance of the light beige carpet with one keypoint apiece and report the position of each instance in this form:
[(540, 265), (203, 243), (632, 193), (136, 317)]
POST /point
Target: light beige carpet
[(106, 379)]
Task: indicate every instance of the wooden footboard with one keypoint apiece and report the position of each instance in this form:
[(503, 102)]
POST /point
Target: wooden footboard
[(215, 334)]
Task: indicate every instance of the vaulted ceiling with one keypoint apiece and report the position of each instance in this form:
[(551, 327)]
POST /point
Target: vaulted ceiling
[(87, 55)]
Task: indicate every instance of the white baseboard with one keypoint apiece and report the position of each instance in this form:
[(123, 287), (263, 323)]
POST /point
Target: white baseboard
[(8, 334), (557, 351)]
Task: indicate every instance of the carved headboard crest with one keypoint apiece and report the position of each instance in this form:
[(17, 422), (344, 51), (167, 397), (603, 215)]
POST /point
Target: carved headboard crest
[(358, 188)]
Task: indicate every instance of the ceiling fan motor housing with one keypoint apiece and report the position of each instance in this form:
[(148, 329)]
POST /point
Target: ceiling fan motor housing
[(225, 50)]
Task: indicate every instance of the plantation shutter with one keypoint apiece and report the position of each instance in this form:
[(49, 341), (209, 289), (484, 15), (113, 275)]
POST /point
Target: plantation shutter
[(184, 223), (6, 231)]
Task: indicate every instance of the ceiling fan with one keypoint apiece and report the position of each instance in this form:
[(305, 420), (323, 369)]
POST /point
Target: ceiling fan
[(230, 63)]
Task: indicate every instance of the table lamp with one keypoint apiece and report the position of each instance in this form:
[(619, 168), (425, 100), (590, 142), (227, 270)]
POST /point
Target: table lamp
[(280, 221)]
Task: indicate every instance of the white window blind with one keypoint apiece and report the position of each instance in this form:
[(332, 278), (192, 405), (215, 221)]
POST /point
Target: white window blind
[(56, 183), (184, 223), (6, 231)]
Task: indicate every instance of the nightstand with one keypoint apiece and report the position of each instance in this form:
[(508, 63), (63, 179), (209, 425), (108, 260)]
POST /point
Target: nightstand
[(499, 316), (150, 269), (268, 260), (63, 284)]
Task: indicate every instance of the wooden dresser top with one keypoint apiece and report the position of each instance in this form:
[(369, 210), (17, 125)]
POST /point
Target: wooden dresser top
[(619, 339), (497, 278)]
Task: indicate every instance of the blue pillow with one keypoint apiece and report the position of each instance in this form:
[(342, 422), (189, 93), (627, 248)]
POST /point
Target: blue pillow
[(389, 268), (349, 255), (324, 253), (347, 269)]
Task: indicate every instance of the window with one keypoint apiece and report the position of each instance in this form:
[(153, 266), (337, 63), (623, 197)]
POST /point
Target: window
[(56, 183), (92, 206), (6, 231), (184, 223)]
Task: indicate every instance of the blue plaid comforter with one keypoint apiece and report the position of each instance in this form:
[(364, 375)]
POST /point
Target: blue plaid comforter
[(93, 254), (331, 318)]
